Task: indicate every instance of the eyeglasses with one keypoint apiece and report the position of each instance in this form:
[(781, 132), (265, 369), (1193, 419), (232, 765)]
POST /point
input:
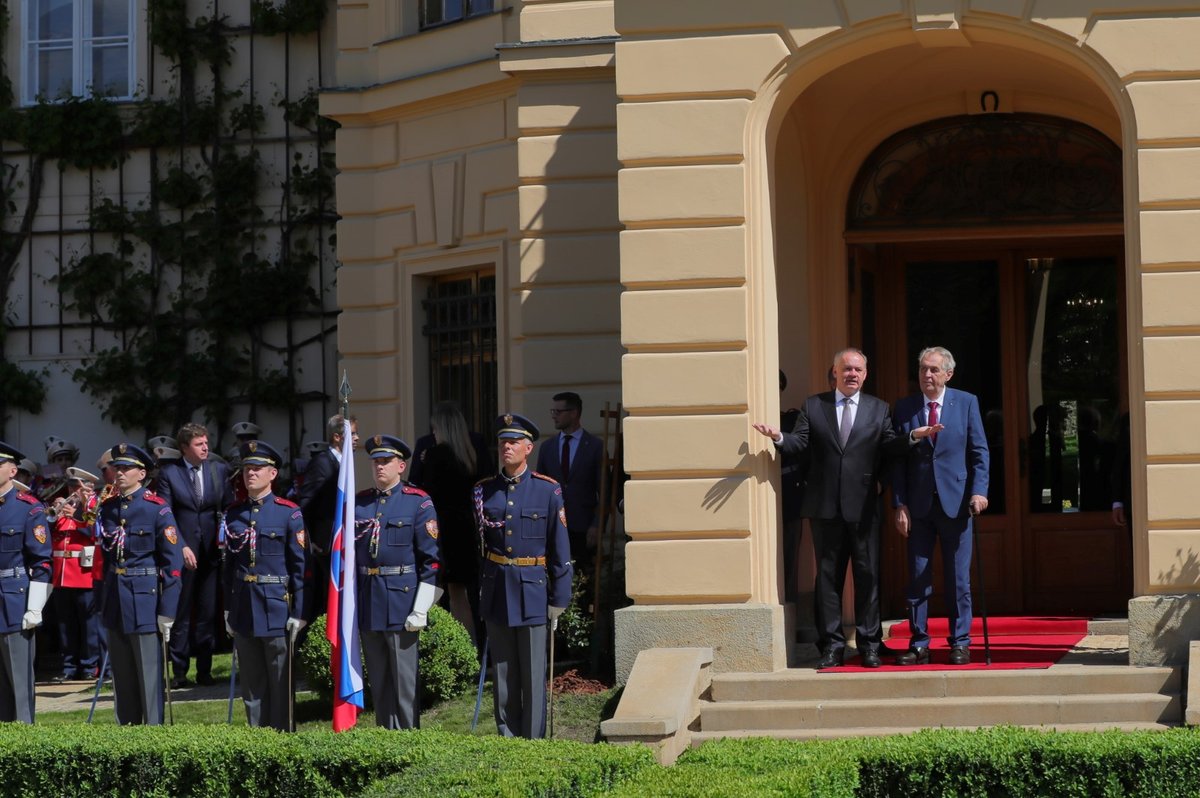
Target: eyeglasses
[(555, 411)]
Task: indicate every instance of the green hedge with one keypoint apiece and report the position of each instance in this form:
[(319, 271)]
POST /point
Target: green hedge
[(1001, 761), (225, 761)]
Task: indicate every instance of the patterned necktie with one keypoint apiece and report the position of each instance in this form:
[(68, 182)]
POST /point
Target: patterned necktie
[(198, 483), (847, 421), (565, 459), (933, 419)]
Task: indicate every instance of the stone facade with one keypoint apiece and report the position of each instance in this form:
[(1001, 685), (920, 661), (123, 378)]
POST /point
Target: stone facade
[(651, 178)]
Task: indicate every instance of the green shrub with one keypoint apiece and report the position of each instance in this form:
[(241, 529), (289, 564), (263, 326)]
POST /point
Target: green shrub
[(574, 635), (447, 660), (449, 664)]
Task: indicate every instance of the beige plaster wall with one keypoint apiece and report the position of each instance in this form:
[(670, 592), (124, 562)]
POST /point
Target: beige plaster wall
[(456, 154)]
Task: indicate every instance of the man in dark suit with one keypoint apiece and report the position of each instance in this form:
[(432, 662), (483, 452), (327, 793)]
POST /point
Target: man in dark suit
[(573, 457), (847, 434), (937, 490), (197, 491), (317, 496)]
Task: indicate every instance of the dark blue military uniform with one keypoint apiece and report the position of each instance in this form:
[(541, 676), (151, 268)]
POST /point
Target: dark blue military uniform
[(24, 559), (525, 570), (143, 558), (266, 550), (395, 550)]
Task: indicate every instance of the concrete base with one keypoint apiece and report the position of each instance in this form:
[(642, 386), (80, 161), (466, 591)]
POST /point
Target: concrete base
[(661, 701), (1161, 628), (743, 637), (1191, 714)]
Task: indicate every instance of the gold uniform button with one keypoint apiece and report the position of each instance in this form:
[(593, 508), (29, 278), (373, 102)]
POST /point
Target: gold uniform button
[(509, 533), (509, 516), (509, 549), (510, 504), (535, 515)]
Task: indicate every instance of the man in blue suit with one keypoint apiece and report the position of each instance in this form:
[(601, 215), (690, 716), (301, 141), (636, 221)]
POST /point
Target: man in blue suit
[(197, 490), (937, 490), (574, 458)]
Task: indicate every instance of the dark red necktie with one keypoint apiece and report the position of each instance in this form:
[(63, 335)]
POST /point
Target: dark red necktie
[(933, 419), (565, 460)]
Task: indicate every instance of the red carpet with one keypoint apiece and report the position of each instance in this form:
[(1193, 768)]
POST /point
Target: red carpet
[(1016, 642)]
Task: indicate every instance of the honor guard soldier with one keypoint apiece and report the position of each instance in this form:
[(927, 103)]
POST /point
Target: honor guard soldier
[(266, 550), (398, 558), (525, 576), (25, 576), (143, 557)]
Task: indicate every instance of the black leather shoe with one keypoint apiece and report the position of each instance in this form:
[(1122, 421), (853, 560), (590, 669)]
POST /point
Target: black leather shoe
[(914, 656), (960, 655), (832, 659), (870, 659), (205, 679), (180, 682)]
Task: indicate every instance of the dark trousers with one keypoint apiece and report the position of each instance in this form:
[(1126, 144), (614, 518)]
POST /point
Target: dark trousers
[(137, 672), (954, 536), (519, 656), (193, 632), (263, 664), (837, 544), (78, 630), (16, 677), (391, 660)]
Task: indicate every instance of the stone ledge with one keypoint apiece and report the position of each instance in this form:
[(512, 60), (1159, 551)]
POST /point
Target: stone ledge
[(1191, 715), (661, 700), (1162, 628)]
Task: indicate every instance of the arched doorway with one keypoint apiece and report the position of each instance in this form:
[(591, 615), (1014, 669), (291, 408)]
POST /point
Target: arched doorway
[(998, 236)]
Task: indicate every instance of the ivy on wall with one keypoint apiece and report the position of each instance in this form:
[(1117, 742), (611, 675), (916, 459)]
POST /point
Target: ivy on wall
[(201, 281)]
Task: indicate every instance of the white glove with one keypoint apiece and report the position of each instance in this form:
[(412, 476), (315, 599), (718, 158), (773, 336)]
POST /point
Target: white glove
[(228, 628), (426, 593), (294, 625), (39, 593), (164, 627), (554, 613)]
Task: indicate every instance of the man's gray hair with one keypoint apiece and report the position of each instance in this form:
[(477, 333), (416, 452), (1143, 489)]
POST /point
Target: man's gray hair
[(850, 350), (947, 358)]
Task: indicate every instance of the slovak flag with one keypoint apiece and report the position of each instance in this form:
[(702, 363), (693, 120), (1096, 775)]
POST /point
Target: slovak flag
[(341, 622)]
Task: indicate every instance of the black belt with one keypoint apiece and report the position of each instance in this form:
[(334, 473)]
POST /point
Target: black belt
[(12, 573), (137, 571), (386, 570), (265, 579)]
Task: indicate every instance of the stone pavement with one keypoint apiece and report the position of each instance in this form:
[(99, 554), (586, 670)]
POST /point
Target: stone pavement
[(78, 695)]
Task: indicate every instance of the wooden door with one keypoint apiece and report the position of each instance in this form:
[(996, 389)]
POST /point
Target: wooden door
[(1030, 327)]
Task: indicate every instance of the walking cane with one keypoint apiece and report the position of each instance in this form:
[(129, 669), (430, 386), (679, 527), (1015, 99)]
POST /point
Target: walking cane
[(232, 677), (99, 683), (482, 676), (550, 687), (987, 645), (167, 680)]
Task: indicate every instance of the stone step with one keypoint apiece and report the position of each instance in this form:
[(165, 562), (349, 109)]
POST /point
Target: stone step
[(944, 711), (803, 684), (700, 737)]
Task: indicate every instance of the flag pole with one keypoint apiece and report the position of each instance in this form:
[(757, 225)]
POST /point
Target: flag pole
[(341, 613)]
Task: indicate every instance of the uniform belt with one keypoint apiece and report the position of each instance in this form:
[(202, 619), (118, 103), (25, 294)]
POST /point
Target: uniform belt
[(386, 570), (68, 554), (265, 579), (500, 558), (12, 573), (137, 571)]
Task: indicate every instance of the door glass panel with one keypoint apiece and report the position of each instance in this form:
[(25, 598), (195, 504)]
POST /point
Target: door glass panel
[(956, 305), (1072, 363)]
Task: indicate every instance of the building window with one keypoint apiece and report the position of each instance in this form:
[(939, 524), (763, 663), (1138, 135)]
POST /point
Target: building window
[(460, 330), (75, 48), (440, 12)]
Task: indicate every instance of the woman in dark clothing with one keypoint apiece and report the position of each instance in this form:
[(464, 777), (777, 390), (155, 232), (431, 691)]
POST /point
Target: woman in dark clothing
[(450, 472)]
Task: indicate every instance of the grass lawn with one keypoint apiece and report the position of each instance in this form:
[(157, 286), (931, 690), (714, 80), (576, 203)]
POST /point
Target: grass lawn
[(576, 717)]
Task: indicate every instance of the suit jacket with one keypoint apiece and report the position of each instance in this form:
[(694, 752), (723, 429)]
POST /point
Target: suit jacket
[(485, 463), (197, 521), (842, 483), (581, 489), (317, 496), (955, 468)]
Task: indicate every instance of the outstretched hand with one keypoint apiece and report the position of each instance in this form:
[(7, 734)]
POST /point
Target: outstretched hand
[(767, 430), (925, 432)]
